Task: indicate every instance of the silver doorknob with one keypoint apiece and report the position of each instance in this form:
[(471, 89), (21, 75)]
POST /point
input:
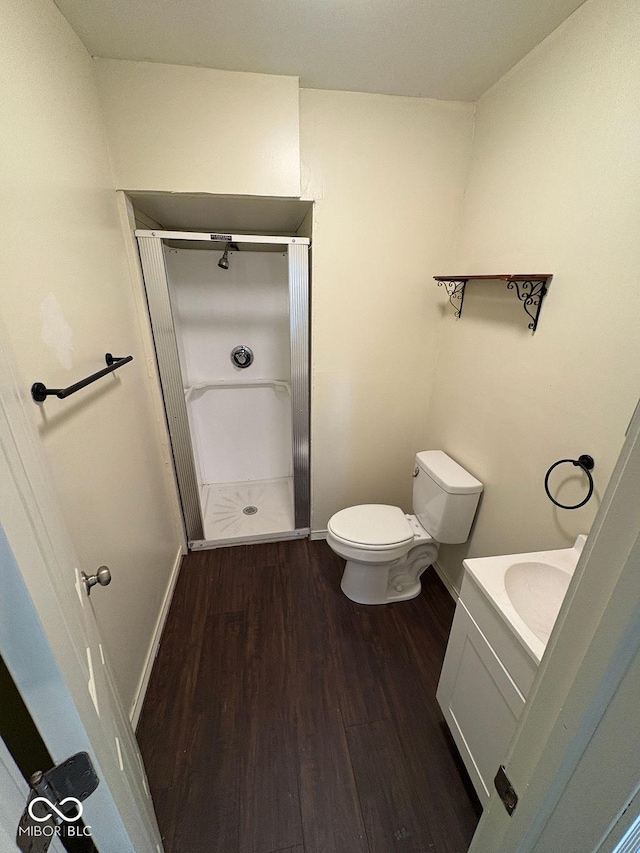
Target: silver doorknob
[(102, 576)]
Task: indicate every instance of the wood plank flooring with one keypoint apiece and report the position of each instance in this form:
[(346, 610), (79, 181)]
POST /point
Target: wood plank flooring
[(283, 718)]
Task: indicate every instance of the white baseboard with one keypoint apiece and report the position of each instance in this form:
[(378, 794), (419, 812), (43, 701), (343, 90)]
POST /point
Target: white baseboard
[(318, 534), (444, 577), (136, 707)]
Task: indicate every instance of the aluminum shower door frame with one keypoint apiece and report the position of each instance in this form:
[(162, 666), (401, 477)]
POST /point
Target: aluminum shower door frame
[(298, 257), (156, 283)]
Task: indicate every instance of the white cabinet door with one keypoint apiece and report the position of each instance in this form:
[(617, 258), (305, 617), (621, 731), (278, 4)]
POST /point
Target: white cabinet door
[(479, 700)]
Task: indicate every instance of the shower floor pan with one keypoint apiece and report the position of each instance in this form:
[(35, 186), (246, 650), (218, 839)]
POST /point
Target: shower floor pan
[(247, 511)]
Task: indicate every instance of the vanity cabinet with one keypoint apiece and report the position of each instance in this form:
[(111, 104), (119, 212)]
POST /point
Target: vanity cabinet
[(484, 682)]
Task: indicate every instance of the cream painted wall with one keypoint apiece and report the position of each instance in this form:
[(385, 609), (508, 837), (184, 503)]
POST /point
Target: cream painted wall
[(67, 298), (387, 174), (554, 187), (181, 129)]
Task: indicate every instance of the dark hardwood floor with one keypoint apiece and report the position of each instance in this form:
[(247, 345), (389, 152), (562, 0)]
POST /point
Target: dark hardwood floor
[(283, 717)]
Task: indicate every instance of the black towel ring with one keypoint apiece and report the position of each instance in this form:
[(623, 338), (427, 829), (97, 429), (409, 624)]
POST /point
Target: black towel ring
[(587, 464)]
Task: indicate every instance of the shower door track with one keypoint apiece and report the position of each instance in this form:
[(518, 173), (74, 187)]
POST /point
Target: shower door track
[(164, 337)]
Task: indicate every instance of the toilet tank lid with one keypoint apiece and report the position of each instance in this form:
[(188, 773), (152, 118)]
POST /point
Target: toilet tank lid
[(447, 473)]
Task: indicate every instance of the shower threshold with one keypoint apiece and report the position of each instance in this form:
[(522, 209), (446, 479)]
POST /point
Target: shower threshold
[(210, 544), (247, 511)]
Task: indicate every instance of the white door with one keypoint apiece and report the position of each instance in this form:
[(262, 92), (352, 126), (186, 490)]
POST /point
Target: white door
[(49, 638), (574, 759)]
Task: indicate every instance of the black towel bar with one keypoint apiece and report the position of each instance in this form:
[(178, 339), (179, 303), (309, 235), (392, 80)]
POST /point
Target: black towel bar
[(40, 392)]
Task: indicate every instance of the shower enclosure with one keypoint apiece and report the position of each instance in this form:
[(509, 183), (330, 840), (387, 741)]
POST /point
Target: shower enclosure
[(229, 316)]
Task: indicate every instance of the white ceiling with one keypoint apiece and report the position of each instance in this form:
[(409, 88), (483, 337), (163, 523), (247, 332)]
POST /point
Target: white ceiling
[(448, 49)]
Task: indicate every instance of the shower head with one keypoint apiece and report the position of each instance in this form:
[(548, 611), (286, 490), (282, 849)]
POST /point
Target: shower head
[(223, 263)]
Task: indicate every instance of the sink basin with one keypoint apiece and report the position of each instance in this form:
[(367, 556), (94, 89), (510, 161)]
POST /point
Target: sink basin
[(527, 590), (536, 591)]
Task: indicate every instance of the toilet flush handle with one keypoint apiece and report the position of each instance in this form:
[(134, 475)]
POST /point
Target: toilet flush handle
[(416, 471)]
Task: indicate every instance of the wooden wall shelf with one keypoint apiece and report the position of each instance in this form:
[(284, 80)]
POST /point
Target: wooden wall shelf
[(530, 288)]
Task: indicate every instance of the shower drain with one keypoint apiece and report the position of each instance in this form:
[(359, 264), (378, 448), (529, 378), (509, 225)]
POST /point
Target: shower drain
[(250, 510)]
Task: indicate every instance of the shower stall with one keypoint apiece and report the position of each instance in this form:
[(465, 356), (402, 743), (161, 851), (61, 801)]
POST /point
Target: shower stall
[(230, 321)]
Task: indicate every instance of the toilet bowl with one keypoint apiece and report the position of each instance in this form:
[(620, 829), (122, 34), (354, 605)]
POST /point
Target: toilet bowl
[(386, 550)]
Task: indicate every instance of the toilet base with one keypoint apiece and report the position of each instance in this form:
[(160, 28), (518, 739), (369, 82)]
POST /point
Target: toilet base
[(384, 583), (358, 584)]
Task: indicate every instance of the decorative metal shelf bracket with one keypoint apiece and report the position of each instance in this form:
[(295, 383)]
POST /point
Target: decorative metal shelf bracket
[(455, 291), (530, 293), (530, 290)]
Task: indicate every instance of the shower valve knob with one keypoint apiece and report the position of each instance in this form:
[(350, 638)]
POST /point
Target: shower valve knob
[(241, 356)]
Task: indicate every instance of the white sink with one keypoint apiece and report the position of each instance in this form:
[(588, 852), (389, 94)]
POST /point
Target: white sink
[(537, 590), (527, 590)]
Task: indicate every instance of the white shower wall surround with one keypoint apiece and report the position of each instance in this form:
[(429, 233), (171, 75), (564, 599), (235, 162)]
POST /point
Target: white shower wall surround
[(216, 309), (240, 437), (239, 433)]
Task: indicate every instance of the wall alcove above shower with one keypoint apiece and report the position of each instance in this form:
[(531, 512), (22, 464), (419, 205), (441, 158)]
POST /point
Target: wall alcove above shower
[(239, 426)]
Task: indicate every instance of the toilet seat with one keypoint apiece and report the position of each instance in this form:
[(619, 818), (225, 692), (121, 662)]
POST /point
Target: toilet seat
[(371, 527)]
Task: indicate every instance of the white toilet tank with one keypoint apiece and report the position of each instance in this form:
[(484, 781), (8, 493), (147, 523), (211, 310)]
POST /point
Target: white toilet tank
[(445, 497)]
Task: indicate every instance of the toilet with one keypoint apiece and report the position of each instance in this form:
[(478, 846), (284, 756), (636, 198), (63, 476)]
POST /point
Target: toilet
[(387, 551)]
